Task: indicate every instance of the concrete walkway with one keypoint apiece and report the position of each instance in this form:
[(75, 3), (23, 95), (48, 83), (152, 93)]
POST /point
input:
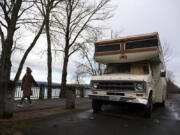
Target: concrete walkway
[(45, 104)]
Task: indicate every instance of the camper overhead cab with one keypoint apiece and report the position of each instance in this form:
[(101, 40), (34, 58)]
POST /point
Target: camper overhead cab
[(135, 72)]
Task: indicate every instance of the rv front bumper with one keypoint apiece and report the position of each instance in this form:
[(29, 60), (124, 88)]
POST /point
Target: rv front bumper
[(115, 98)]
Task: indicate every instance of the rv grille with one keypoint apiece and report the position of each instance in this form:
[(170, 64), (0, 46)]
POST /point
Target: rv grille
[(116, 85)]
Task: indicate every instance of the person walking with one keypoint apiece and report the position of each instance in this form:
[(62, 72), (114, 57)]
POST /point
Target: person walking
[(26, 86)]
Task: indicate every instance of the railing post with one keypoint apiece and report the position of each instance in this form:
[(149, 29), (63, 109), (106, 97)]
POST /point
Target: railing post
[(82, 91), (70, 97), (41, 92)]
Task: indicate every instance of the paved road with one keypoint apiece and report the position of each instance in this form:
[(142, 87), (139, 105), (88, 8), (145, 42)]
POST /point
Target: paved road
[(112, 121)]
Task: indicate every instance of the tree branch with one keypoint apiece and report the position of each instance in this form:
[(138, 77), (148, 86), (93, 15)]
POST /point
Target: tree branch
[(25, 10), (2, 38), (3, 24), (56, 50), (3, 6), (62, 25), (100, 5), (27, 52), (73, 51)]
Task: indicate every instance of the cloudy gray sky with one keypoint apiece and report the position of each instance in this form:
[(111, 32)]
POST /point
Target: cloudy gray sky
[(132, 17), (145, 16)]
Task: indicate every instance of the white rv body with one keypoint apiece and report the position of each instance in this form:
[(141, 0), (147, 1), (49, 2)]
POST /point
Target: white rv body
[(137, 55)]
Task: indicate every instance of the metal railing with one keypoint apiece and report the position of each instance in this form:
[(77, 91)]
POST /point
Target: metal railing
[(41, 92)]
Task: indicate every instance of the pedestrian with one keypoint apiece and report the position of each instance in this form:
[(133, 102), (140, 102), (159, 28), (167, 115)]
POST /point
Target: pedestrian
[(26, 86)]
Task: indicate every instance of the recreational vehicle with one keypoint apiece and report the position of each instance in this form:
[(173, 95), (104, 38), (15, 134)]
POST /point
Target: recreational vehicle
[(135, 72)]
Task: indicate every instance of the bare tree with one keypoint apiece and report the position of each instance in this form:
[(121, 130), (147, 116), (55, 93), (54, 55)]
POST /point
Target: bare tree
[(167, 52), (78, 77), (89, 67), (10, 13), (12, 19), (75, 19), (27, 52), (31, 21), (170, 76), (116, 33), (46, 6)]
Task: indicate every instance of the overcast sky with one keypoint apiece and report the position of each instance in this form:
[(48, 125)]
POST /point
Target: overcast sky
[(145, 16), (132, 17)]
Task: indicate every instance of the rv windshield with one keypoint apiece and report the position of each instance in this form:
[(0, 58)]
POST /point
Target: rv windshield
[(131, 68)]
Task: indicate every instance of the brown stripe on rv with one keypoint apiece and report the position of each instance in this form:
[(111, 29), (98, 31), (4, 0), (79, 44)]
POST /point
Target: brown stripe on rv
[(106, 53), (126, 51), (126, 39)]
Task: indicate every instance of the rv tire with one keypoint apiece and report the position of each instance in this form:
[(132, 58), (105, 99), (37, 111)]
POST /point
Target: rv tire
[(162, 104), (96, 105), (149, 106)]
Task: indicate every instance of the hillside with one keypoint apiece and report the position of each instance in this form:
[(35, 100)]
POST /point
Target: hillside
[(172, 88)]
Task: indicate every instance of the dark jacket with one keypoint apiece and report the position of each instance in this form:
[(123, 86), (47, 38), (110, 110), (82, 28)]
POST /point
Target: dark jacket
[(27, 83)]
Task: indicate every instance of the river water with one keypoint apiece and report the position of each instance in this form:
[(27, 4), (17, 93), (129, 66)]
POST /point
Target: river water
[(55, 93)]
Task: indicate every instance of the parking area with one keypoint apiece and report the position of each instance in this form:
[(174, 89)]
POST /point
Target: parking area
[(112, 120)]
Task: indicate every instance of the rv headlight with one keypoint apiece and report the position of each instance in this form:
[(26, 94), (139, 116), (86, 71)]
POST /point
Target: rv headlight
[(95, 85), (140, 86)]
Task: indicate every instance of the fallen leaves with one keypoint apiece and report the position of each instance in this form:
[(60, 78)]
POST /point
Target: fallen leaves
[(91, 118), (126, 125), (156, 121), (73, 119), (55, 124), (18, 133)]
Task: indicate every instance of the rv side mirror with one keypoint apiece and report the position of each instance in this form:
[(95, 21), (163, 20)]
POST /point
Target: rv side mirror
[(163, 74)]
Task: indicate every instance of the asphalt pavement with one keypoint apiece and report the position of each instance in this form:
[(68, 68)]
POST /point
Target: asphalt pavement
[(113, 120), (48, 103)]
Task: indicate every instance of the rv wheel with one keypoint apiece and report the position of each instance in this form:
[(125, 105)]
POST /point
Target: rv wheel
[(96, 105), (162, 104), (148, 109)]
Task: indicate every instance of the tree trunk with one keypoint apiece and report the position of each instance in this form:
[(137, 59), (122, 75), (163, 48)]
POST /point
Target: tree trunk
[(66, 51), (5, 69), (5, 61), (64, 75), (49, 56)]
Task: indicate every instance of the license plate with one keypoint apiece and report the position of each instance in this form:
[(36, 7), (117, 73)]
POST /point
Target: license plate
[(114, 98)]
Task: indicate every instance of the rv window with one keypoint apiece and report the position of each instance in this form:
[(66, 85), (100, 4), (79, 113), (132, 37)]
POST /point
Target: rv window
[(133, 68), (124, 68), (139, 68), (118, 68)]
